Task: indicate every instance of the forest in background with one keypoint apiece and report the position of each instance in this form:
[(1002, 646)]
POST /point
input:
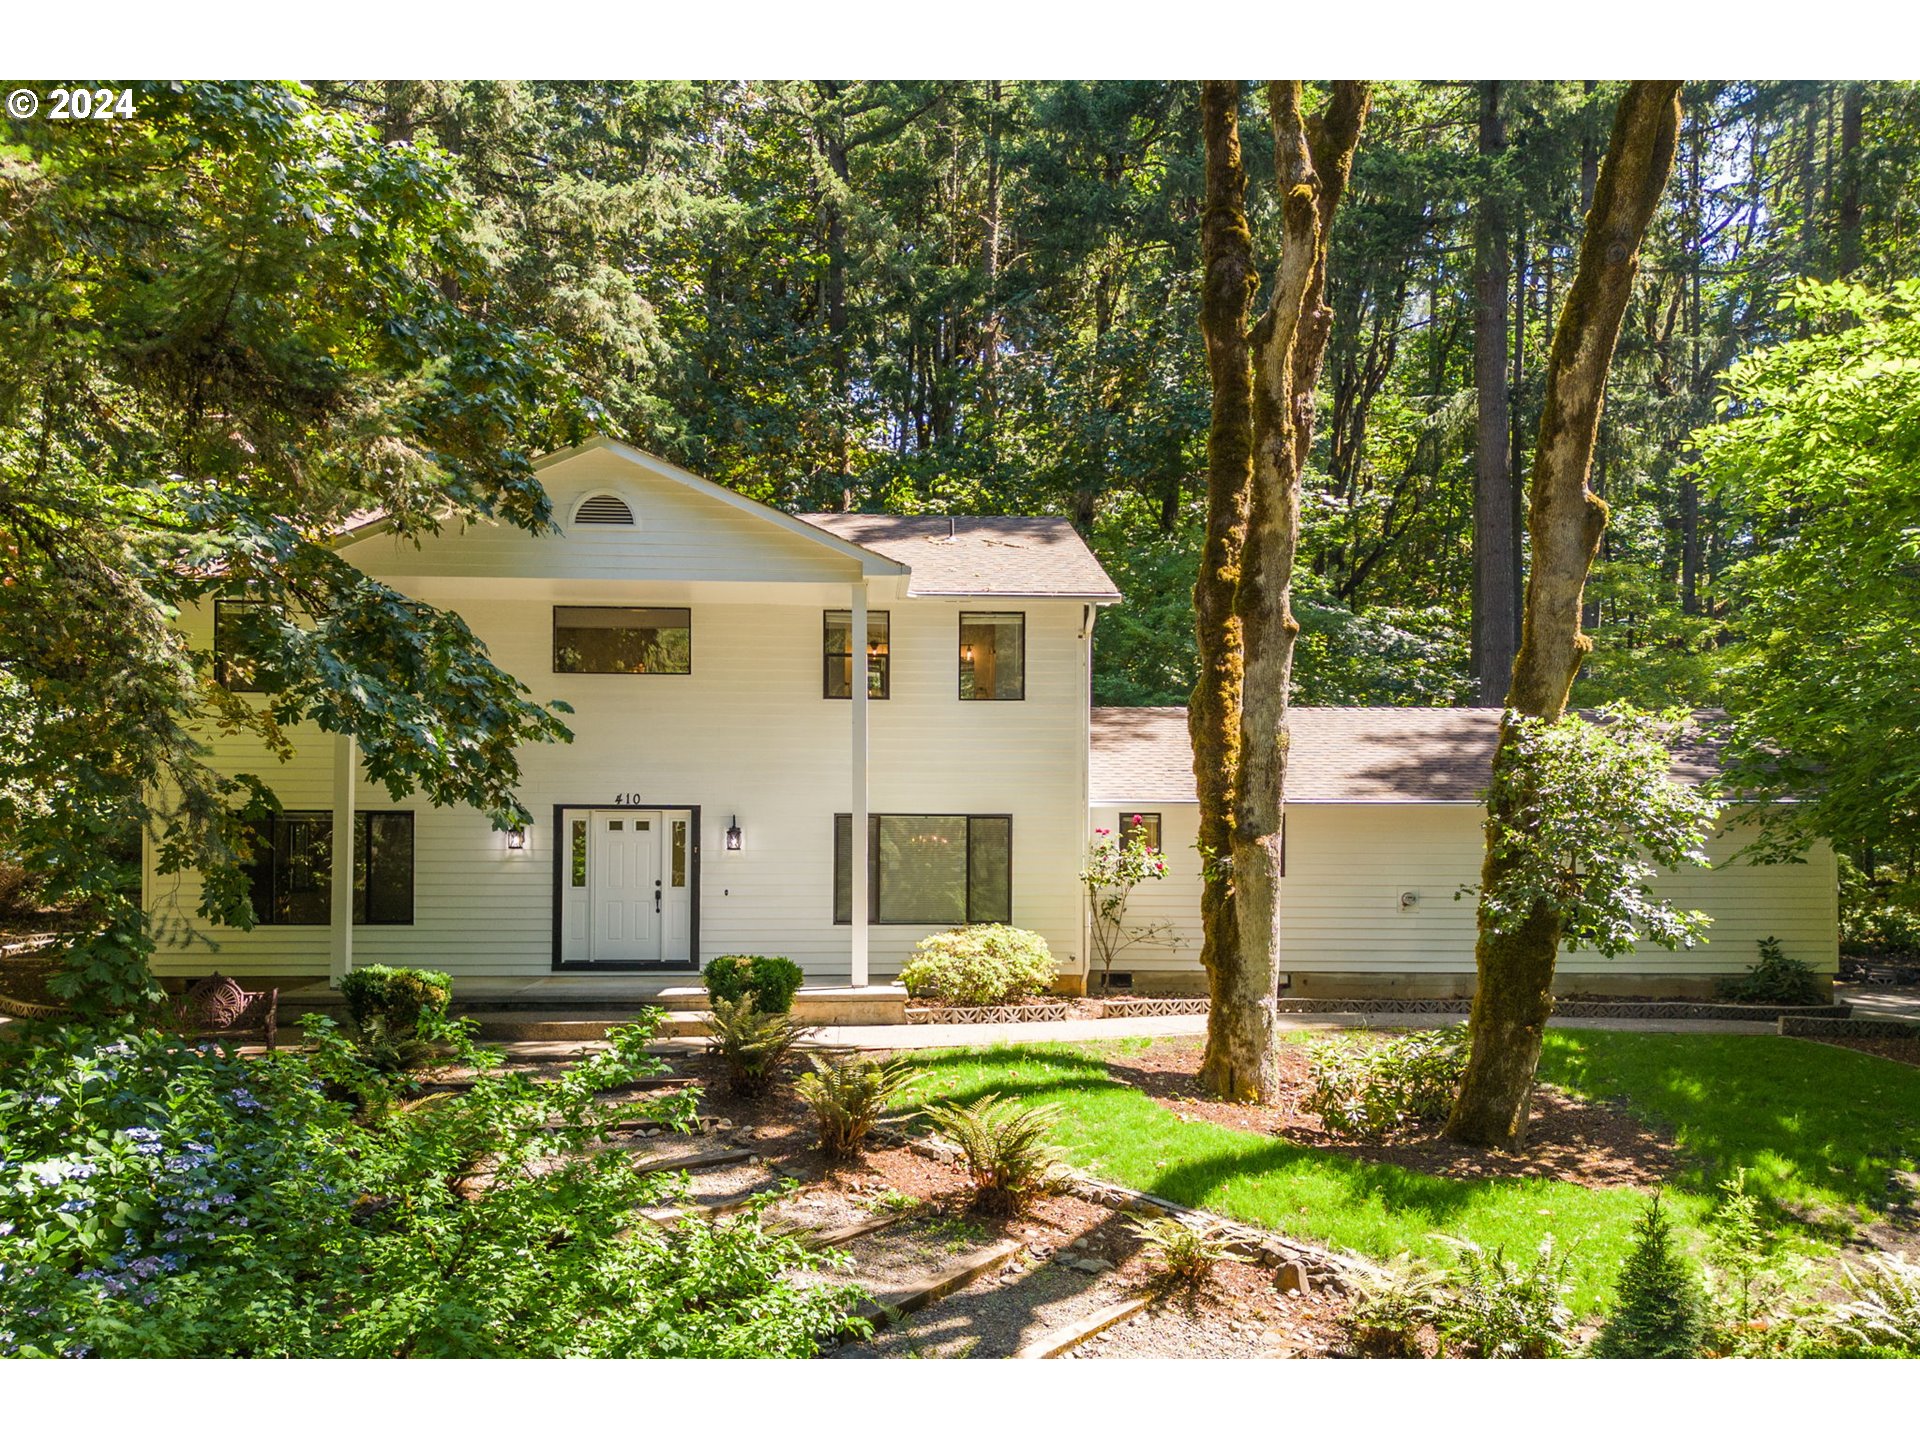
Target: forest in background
[(982, 297)]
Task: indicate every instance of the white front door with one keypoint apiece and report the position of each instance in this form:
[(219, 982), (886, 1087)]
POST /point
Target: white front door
[(626, 894)]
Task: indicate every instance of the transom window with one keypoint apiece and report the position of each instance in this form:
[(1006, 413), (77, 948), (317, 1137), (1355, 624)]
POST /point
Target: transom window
[(1139, 822), (839, 655), (292, 868), (622, 640), (993, 656), (928, 869)]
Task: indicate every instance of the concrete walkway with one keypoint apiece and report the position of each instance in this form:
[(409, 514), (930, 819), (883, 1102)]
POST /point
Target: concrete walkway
[(1880, 1002)]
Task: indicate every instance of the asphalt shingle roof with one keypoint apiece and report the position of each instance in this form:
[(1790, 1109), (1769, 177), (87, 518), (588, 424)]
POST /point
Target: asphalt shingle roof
[(979, 554), (1340, 754)]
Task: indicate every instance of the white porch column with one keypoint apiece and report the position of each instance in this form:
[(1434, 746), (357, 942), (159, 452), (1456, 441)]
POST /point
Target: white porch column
[(857, 841), (346, 766)]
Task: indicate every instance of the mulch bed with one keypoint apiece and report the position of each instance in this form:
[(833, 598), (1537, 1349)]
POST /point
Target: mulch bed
[(1582, 1141)]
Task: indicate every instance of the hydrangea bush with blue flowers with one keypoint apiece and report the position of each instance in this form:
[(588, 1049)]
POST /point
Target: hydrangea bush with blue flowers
[(160, 1198)]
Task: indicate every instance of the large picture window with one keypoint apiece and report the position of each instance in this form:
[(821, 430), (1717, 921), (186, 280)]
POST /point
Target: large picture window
[(292, 868), (993, 656), (238, 642), (839, 655), (928, 869), (622, 640)]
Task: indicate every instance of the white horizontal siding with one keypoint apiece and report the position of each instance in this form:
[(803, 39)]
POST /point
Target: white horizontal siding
[(747, 733), (1347, 866)]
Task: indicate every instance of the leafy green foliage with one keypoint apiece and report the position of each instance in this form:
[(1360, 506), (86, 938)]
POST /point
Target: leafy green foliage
[(1004, 1147), (979, 965), (1595, 811), (772, 980), (848, 1094), (1185, 1250), (160, 1199), (1881, 1312), (1659, 1311), (233, 321), (1393, 1308), (395, 1013), (1818, 439), (1775, 980), (1493, 1308), (753, 1043), (1363, 1090)]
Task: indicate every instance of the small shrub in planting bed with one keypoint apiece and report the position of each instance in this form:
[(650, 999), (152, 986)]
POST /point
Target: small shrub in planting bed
[(1004, 1147), (753, 1044), (1366, 1091), (772, 980), (1775, 980), (1494, 1308), (1186, 1252), (1659, 1312), (979, 965), (847, 1095), (396, 1013)]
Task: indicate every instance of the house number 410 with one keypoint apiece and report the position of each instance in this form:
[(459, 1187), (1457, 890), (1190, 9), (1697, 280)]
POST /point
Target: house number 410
[(633, 799)]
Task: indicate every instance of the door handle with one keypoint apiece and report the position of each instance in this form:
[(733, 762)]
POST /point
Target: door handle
[(656, 897)]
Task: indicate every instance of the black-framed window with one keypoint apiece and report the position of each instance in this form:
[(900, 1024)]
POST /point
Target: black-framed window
[(622, 640), (993, 655), (928, 869), (837, 655), (1141, 820), (292, 868), (238, 645)]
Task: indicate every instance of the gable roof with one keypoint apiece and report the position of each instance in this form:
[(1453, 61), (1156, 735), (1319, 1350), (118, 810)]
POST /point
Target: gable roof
[(1035, 555), (1340, 755)]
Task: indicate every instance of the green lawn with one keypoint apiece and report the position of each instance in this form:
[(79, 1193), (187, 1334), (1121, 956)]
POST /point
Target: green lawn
[(1819, 1128)]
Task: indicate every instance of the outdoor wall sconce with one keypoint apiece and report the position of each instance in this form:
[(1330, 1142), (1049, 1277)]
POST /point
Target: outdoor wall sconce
[(733, 832), (517, 838)]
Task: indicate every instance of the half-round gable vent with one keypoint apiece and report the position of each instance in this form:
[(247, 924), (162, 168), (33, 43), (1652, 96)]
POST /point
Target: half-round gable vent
[(603, 510)]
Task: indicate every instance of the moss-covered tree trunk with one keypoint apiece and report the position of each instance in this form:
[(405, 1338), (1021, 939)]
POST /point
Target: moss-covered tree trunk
[(1262, 428), (1564, 522)]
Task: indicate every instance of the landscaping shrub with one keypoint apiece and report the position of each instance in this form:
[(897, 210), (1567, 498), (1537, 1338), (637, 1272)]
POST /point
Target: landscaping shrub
[(1881, 1314), (164, 1199), (1186, 1252), (1493, 1308), (753, 1043), (1776, 980), (395, 1013), (1390, 1311), (773, 980), (1366, 1091), (979, 965), (847, 1095), (1659, 1311), (1004, 1147)]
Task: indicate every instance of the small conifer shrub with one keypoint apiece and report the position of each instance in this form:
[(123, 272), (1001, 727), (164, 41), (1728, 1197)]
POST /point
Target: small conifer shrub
[(1660, 1311)]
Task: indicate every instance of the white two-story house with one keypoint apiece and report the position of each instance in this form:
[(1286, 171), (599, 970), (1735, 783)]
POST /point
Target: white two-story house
[(819, 736), (828, 736)]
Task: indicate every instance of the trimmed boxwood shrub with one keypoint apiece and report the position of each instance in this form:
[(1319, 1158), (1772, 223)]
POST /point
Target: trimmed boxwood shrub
[(773, 979), (393, 1011), (979, 965)]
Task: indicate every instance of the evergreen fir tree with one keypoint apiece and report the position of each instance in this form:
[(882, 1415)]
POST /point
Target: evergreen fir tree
[(1659, 1310)]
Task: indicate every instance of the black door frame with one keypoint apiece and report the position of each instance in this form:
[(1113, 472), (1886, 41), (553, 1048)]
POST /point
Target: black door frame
[(628, 967)]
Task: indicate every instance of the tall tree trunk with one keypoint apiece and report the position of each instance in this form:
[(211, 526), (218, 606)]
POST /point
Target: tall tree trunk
[(1312, 160), (1495, 581), (1213, 717), (1852, 129), (1565, 522)]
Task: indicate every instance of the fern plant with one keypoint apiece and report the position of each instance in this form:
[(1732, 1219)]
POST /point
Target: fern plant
[(1004, 1147), (1881, 1313), (1496, 1308), (847, 1095), (1390, 1310), (752, 1043), (1186, 1252)]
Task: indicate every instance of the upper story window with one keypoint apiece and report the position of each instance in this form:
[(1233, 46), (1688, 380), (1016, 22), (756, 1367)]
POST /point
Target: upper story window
[(993, 655), (839, 655), (237, 641), (603, 510), (622, 640)]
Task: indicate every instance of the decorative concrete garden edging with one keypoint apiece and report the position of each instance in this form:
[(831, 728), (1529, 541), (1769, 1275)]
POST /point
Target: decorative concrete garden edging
[(989, 1014), (1571, 1009), (1820, 1027), (1118, 1006)]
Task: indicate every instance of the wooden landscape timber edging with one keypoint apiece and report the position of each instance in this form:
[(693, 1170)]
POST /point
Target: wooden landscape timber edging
[(1073, 1335), (882, 1309), (693, 1162), (988, 1014)]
